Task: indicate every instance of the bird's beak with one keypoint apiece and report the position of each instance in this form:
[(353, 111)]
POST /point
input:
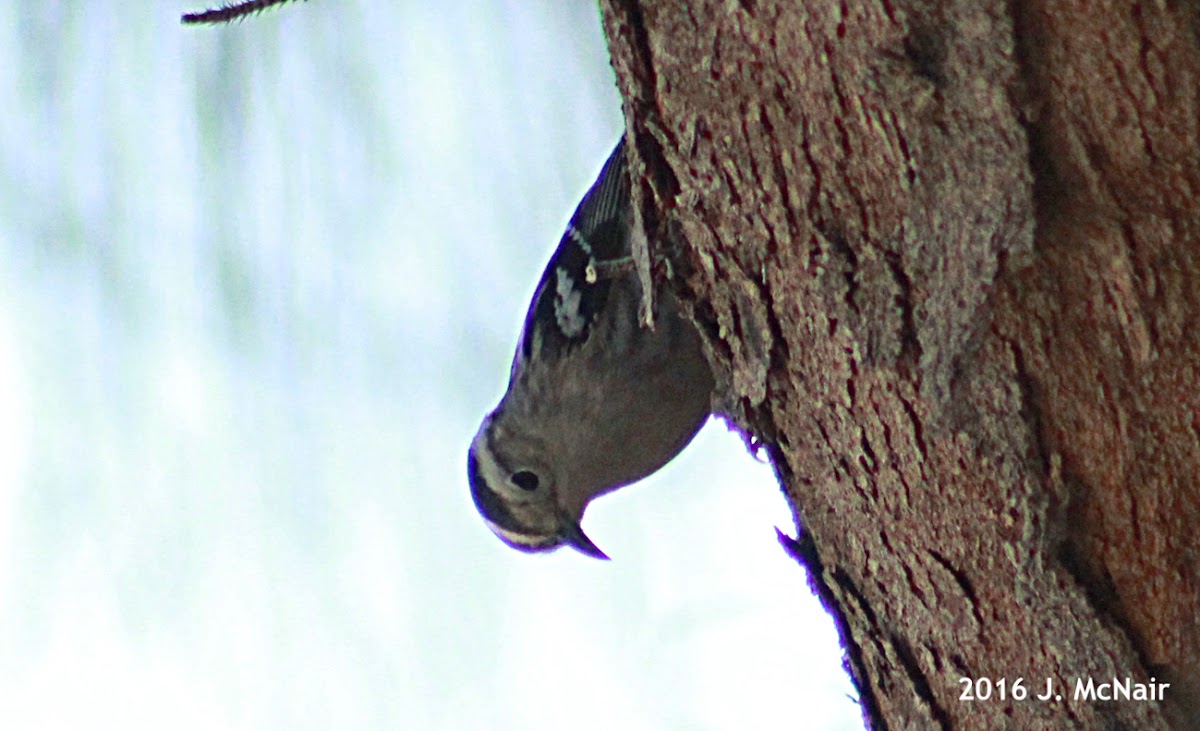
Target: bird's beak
[(574, 537)]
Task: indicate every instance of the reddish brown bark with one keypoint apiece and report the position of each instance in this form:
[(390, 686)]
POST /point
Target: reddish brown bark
[(946, 255)]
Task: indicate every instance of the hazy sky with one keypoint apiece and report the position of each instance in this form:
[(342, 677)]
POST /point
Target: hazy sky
[(258, 284)]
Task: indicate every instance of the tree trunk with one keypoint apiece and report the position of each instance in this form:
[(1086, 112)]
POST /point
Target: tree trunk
[(945, 255)]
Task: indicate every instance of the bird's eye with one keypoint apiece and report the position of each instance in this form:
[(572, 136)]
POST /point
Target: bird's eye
[(525, 480)]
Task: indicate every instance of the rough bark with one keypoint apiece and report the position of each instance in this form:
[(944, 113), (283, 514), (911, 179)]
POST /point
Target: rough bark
[(945, 254)]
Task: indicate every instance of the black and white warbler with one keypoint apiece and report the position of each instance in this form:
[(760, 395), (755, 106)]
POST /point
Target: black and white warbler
[(596, 399)]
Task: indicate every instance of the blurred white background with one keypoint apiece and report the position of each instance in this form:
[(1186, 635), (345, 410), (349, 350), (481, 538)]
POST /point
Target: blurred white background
[(258, 284)]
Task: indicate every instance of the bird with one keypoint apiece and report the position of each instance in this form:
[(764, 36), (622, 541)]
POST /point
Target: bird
[(597, 399)]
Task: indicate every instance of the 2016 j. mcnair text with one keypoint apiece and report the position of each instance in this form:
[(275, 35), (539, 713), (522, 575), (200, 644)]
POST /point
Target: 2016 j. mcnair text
[(595, 399)]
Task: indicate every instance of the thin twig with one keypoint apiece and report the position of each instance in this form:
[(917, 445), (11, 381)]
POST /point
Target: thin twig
[(229, 13)]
